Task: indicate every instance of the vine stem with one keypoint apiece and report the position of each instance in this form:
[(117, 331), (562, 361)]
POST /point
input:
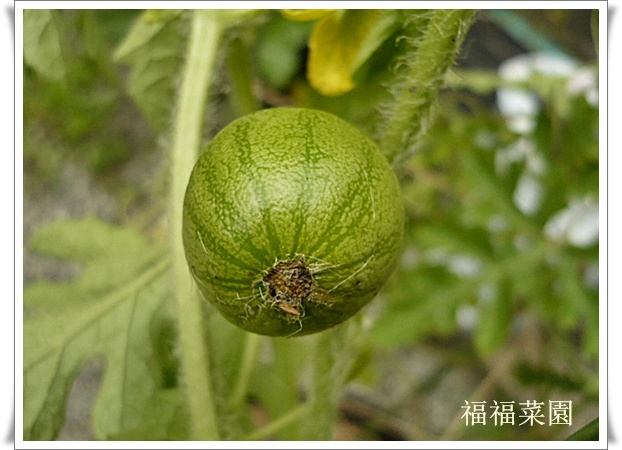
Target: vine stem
[(333, 356), (423, 71), (251, 346), (325, 386), (205, 36), (277, 425)]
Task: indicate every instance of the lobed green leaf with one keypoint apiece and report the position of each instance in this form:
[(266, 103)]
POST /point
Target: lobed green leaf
[(153, 49), (69, 323), (166, 419), (44, 40)]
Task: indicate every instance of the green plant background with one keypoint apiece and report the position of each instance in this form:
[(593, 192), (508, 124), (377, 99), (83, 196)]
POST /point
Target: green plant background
[(489, 302)]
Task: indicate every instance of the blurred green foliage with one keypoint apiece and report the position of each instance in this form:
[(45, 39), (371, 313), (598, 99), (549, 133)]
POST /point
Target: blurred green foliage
[(500, 249), (470, 245), (74, 100)]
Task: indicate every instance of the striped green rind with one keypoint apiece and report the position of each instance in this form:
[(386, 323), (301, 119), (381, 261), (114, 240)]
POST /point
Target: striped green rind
[(284, 182)]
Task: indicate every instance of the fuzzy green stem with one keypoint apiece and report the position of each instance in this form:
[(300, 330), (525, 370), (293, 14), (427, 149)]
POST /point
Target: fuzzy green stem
[(199, 68), (251, 346), (325, 387), (333, 357), (422, 76), (241, 76)]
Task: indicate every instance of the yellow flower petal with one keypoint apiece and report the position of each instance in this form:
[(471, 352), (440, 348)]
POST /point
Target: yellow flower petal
[(338, 46), (305, 14)]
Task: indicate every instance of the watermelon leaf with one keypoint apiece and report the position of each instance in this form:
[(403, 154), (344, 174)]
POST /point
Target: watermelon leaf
[(166, 419), (153, 49), (44, 42), (84, 318)]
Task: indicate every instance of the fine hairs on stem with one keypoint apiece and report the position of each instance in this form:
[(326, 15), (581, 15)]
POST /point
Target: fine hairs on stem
[(200, 62), (420, 75)]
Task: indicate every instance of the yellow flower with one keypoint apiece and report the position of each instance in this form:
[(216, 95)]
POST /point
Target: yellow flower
[(340, 43)]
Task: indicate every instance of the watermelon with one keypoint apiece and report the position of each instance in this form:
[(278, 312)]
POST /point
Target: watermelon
[(292, 221)]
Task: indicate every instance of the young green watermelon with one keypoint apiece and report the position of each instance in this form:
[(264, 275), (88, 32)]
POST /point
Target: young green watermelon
[(293, 220)]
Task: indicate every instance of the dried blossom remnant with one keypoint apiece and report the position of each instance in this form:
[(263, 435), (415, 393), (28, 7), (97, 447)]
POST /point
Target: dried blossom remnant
[(289, 283), (276, 297)]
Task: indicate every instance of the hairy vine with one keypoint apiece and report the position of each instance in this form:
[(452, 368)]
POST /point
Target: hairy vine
[(420, 75)]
